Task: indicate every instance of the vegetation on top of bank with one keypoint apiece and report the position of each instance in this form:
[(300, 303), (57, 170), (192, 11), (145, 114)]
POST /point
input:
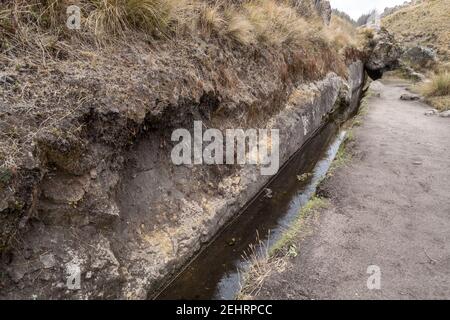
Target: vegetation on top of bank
[(43, 22), (264, 259), (36, 46), (138, 64), (426, 23), (437, 90)]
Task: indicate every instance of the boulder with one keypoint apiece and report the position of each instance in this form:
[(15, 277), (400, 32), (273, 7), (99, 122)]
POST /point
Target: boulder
[(420, 56), (409, 97), (431, 112), (382, 52)]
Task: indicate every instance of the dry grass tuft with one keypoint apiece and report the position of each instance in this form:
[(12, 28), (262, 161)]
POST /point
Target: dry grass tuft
[(366, 37), (438, 86), (239, 27), (276, 22), (119, 17), (263, 259), (437, 91), (210, 19), (260, 265)]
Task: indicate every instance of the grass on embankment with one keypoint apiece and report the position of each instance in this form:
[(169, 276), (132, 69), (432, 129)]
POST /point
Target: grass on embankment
[(34, 34), (437, 91), (43, 22), (425, 23), (273, 258)]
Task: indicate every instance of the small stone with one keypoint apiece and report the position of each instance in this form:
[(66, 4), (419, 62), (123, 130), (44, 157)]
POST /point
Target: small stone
[(88, 274), (430, 112), (93, 174), (409, 97), (445, 114), (303, 177), (231, 242)]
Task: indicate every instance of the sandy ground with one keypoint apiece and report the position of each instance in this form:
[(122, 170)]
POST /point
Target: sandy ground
[(389, 207)]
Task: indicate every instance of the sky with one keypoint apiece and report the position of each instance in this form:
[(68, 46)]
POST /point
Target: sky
[(356, 8)]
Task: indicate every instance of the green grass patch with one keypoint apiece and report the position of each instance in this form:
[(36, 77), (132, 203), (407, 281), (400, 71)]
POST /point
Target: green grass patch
[(342, 156), (5, 175), (286, 244)]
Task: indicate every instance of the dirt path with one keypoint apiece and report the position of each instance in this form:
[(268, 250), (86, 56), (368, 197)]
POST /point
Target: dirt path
[(390, 207)]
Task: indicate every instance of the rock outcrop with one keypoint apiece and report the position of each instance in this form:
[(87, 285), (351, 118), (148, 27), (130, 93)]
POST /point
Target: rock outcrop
[(382, 52), (420, 56)]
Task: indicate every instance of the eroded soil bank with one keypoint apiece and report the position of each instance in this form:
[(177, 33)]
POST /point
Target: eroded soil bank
[(129, 223), (388, 207)]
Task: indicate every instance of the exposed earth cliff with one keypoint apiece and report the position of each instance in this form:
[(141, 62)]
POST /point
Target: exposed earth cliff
[(91, 205)]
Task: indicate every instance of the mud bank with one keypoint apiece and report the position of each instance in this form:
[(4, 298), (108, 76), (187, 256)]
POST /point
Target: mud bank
[(119, 224)]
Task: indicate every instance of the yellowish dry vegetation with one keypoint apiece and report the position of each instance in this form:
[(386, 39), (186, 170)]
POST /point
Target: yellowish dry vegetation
[(269, 21), (342, 33), (437, 91), (438, 86), (210, 19), (425, 23), (34, 38)]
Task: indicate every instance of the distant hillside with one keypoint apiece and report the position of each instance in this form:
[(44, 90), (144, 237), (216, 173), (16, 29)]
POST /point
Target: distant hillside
[(423, 23)]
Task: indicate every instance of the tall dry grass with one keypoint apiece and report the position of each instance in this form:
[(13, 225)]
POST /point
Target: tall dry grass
[(38, 27), (341, 33), (117, 17), (210, 18), (439, 85), (275, 22), (239, 27)]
